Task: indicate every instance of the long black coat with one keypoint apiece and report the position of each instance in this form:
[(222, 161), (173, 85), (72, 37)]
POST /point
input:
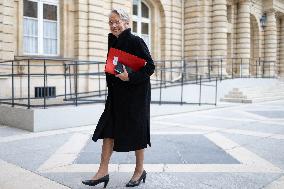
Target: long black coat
[(127, 108)]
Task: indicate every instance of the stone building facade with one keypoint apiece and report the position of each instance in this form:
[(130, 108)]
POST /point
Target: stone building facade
[(176, 28), (234, 30)]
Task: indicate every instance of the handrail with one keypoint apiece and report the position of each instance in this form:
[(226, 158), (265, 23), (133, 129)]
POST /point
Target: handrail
[(25, 72)]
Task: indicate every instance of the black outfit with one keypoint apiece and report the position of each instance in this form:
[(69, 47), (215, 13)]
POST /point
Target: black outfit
[(126, 117)]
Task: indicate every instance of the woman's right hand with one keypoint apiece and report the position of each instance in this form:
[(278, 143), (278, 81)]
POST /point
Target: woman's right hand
[(123, 76)]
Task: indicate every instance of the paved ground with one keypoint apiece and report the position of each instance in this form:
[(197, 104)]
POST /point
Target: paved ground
[(229, 147)]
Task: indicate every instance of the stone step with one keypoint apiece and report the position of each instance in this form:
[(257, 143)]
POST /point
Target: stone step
[(263, 99), (266, 94), (276, 88), (235, 96), (236, 100), (236, 92), (255, 94)]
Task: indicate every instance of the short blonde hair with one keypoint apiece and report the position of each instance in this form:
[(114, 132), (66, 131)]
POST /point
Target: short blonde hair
[(122, 14)]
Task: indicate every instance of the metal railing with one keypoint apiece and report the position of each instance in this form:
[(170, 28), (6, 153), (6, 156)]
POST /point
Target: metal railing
[(83, 82), (224, 68), (24, 74)]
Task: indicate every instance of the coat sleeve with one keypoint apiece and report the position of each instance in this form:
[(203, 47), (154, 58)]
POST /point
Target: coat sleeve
[(109, 77), (144, 73)]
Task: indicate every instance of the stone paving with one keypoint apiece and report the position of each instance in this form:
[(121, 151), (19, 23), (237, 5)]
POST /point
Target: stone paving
[(230, 147)]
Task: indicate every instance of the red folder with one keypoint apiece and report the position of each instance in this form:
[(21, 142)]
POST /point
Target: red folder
[(127, 59)]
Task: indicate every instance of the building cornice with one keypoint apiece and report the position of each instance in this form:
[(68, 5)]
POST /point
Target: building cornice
[(278, 5)]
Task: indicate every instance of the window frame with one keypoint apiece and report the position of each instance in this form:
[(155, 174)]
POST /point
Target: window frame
[(139, 20), (40, 20)]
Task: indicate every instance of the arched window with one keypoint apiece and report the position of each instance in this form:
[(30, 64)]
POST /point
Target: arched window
[(141, 24)]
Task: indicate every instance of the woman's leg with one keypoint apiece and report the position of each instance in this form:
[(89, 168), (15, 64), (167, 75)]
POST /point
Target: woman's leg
[(107, 149), (139, 164)]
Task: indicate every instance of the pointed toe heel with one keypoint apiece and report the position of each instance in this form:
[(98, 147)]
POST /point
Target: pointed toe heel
[(132, 183), (104, 180)]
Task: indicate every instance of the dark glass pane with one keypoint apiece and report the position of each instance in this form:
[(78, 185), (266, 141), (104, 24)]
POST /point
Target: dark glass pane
[(30, 9), (135, 7), (145, 11), (134, 27), (145, 28), (135, 10), (49, 12)]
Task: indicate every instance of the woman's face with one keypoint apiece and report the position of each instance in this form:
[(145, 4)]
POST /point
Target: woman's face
[(116, 25)]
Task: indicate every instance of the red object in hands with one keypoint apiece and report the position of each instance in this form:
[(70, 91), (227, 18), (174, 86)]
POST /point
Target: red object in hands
[(127, 59)]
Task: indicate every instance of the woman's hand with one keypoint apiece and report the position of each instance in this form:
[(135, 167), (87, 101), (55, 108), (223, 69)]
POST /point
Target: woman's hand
[(123, 76)]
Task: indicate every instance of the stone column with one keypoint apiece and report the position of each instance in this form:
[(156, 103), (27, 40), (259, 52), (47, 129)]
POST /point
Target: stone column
[(190, 29), (243, 37), (281, 63), (270, 44), (219, 33), (205, 35)]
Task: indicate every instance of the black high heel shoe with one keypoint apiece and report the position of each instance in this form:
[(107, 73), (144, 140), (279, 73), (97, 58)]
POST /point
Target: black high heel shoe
[(132, 183), (104, 179)]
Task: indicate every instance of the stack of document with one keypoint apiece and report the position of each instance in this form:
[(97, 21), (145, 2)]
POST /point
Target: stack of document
[(116, 57)]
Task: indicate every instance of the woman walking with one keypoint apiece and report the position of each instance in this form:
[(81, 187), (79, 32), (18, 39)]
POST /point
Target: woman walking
[(124, 125)]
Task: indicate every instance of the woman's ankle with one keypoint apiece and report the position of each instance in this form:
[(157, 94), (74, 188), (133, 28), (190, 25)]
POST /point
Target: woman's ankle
[(139, 170), (100, 174)]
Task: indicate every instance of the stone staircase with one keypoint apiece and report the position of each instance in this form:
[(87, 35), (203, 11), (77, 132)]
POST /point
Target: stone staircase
[(255, 93), (236, 96)]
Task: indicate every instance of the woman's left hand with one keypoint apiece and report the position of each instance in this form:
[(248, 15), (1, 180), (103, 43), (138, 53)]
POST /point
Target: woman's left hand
[(123, 76)]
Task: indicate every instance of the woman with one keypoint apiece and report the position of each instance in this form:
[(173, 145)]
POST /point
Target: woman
[(125, 123)]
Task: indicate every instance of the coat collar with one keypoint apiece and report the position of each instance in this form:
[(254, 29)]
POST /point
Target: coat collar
[(123, 34)]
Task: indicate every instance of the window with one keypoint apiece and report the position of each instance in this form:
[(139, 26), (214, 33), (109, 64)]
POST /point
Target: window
[(141, 21), (41, 27)]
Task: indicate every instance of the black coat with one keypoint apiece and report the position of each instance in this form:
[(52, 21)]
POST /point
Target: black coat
[(127, 108)]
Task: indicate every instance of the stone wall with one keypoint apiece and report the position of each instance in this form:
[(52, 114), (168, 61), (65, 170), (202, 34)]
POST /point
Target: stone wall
[(7, 29)]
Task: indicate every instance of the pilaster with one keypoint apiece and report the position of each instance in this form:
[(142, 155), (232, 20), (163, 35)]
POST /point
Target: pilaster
[(191, 28), (270, 44), (219, 32), (243, 37), (81, 30), (205, 28), (219, 28), (97, 30)]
